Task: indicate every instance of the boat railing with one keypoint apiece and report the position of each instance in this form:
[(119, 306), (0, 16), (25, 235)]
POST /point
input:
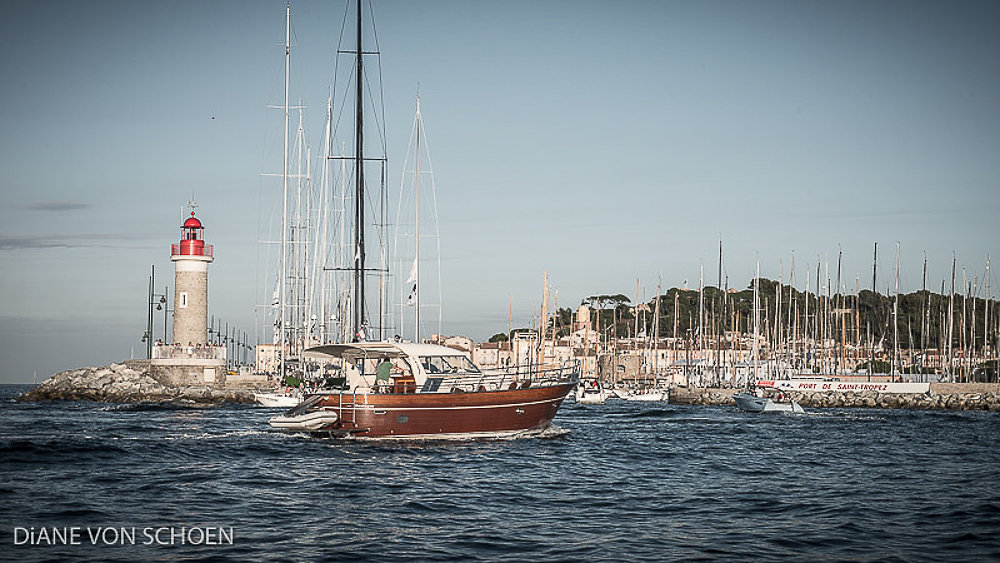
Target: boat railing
[(514, 377)]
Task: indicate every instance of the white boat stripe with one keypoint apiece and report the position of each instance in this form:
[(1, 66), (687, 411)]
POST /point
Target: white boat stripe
[(505, 405)]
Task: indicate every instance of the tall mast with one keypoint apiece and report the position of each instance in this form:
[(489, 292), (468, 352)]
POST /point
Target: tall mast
[(871, 359), (756, 322), (656, 332), (416, 240), (925, 316), (986, 314), (359, 189), (322, 249), (838, 316), (895, 319), (951, 318), (718, 334), (282, 304)]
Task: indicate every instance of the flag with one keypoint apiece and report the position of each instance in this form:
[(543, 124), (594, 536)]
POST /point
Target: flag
[(413, 295), (413, 272)]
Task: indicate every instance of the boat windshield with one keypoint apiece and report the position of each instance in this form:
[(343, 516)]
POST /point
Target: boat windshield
[(448, 364)]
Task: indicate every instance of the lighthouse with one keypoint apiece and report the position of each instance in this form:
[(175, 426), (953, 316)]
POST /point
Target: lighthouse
[(190, 360), (191, 257)]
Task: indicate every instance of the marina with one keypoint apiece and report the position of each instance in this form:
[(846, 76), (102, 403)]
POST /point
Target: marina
[(684, 281)]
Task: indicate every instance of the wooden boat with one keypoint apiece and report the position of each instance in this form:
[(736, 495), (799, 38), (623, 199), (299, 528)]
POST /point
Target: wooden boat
[(430, 392)]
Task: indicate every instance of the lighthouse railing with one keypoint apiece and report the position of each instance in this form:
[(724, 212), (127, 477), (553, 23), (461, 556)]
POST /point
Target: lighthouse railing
[(178, 352), (206, 250)]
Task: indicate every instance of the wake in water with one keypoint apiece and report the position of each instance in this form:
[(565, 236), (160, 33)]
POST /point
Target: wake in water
[(549, 432), (155, 407)]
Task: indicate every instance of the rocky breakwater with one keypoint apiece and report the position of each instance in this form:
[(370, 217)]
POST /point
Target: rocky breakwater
[(964, 401), (127, 382), (949, 396)]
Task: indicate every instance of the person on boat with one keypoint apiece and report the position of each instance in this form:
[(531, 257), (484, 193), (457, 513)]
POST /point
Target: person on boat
[(383, 371)]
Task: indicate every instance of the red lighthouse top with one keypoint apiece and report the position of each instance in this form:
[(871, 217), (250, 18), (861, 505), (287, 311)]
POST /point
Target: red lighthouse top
[(192, 240)]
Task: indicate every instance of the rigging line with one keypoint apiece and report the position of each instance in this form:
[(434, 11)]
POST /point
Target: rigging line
[(343, 100), (381, 83), (340, 39), (380, 123)]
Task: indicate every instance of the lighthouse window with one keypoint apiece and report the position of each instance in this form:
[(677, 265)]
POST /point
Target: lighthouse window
[(183, 300)]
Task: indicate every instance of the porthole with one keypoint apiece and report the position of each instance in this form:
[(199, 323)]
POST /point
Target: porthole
[(402, 419)]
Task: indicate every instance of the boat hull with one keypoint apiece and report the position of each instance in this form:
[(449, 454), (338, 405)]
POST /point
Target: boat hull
[(641, 396), (276, 400), (309, 422), (444, 415), (752, 403)]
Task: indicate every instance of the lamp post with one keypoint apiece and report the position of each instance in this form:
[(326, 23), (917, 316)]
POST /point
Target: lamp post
[(160, 304), (163, 305)]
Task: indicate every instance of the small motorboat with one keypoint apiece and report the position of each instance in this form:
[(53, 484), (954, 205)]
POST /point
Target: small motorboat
[(590, 392), (305, 419), (752, 403), (650, 394), (278, 399)]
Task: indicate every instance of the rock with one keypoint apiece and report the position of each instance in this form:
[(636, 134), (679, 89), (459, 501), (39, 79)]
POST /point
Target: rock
[(121, 383)]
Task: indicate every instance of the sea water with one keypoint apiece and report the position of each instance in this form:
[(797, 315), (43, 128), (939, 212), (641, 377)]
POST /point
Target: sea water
[(621, 481)]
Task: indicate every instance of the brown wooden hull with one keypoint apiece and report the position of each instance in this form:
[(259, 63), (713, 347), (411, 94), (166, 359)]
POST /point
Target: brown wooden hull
[(445, 415)]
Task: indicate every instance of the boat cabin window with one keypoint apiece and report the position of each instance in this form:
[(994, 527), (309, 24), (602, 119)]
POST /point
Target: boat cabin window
[(448, 364), (431, 385)]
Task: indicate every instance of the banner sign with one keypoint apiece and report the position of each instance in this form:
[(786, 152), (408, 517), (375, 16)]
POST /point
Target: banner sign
[(844, 386)]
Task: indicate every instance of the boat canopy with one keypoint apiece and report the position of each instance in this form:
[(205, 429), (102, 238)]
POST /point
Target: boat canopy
[(357, 351)]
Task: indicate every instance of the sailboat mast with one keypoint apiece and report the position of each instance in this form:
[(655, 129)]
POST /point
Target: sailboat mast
[(871, 357), (359, 189), (986, 314), (416, 240), (282, 304), (756, 323), (895, 319), (925, 316), (951, 321)]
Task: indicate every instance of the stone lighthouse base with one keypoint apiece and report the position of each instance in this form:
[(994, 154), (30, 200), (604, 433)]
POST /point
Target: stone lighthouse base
[(181, 366)]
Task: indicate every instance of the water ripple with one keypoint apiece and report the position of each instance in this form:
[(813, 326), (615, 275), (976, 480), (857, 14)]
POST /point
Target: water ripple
[(622, 481)]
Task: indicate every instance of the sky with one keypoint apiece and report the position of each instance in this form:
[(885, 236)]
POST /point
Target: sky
[(598, 142)]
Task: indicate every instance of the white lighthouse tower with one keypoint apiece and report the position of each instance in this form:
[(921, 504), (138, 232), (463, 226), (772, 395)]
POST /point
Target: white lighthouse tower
[(191, 258), (191, 359)]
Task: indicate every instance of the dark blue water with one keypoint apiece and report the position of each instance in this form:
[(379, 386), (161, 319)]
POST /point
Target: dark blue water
[(622, 481)]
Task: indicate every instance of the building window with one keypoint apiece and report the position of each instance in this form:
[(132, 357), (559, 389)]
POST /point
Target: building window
[(183, 303)]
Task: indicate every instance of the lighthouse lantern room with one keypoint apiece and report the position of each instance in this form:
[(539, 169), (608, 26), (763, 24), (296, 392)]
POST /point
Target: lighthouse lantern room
[(191, 257)]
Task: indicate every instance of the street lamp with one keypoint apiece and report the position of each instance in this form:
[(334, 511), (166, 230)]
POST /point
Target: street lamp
[(147, 336)]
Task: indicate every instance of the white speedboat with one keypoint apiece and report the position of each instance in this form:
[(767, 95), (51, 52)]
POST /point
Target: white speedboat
[(652, 394), (590, 392), (278, 399), (752, 403)]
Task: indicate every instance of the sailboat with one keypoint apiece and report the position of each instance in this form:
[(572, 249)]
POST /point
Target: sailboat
[(759, 401), (395, 389)]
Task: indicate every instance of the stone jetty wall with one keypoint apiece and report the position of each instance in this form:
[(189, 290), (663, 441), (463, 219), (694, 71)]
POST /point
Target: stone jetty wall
[(951, 396), (127, 382)]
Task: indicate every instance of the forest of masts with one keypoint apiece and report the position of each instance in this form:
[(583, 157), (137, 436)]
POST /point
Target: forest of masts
[(778, 331)]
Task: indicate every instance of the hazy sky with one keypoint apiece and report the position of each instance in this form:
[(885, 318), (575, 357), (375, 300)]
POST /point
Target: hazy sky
[(599, 141)]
